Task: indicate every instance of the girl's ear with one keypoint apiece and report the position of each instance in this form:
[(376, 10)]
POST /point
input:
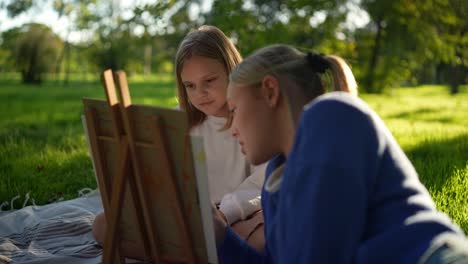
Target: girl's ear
[(270, 90)]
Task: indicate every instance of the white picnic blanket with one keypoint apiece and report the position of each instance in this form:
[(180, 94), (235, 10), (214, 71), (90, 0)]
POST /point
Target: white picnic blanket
[(53, 233)]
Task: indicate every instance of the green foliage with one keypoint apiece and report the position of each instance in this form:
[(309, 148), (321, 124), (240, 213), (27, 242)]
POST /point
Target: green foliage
[(17, 7), (409, 42), (412, 34), (267, 22), (7, 49), (34, 49)]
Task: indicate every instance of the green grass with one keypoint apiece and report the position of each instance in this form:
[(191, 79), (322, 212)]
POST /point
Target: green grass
[(43, 150), (432, 128)]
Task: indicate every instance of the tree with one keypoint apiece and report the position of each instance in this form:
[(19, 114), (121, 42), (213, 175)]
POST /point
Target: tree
[(410, 35), (70, 9), (451, 26), (7, 49), (17, 7), (35, 52), (263, 22), (392, 30), (145, 18)]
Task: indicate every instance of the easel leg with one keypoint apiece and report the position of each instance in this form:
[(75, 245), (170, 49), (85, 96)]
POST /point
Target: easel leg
[(112, 238)]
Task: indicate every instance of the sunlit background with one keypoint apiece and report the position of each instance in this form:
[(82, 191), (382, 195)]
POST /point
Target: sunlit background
[(410, 59)]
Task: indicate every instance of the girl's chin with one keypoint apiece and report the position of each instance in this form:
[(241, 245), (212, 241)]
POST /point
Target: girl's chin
[(213, 110), (217, 113)]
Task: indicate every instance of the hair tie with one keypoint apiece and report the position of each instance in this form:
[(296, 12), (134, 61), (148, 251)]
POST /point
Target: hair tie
[(317, 61)]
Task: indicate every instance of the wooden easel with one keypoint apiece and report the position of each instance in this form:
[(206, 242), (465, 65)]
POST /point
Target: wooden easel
[(120, 160)]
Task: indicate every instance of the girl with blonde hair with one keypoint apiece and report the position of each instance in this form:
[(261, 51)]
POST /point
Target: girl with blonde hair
[(338, 188)]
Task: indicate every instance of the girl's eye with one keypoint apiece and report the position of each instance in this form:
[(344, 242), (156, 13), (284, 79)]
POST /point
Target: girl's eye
[(189, 86), (211, 80), (233, 110)]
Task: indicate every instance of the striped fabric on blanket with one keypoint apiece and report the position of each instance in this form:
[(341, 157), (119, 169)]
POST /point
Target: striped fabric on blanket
[(54, 233)]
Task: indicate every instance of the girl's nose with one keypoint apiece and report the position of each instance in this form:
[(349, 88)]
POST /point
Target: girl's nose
[(203, 90)]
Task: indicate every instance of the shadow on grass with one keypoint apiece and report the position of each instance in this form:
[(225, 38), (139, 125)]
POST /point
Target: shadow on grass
[(412, 114), (438, 160), (39, 132), (423, 114)]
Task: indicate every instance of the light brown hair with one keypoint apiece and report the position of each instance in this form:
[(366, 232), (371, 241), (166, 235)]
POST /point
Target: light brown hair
[(206, 41)]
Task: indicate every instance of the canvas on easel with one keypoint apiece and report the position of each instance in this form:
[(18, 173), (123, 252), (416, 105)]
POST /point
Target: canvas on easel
[(152, 178)]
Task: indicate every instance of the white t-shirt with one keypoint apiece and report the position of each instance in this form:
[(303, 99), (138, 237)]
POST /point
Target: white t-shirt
[(233, 183)]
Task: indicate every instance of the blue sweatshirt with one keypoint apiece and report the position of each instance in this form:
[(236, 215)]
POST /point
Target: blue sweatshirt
[(348, 195)]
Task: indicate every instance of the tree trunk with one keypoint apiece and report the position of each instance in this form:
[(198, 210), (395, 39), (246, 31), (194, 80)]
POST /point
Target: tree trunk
[(67, 61), (59, 64), (374, 57), (62, 55), (457, 70), (454, 79), (148, 54), (440, 73), (32, 74)]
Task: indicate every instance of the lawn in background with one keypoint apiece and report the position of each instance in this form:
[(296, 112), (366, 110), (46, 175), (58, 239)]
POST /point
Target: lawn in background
[(43, 150), (432, 128)]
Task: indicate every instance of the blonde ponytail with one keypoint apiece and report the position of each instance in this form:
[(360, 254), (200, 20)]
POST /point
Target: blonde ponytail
[(308, 71), (343, 78)]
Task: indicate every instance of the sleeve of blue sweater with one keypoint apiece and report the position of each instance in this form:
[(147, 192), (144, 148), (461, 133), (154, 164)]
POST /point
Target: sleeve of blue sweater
[(235, 250), (324, 191)]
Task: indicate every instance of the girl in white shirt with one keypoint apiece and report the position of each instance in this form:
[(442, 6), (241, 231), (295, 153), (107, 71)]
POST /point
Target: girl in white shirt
[(203, 63)]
